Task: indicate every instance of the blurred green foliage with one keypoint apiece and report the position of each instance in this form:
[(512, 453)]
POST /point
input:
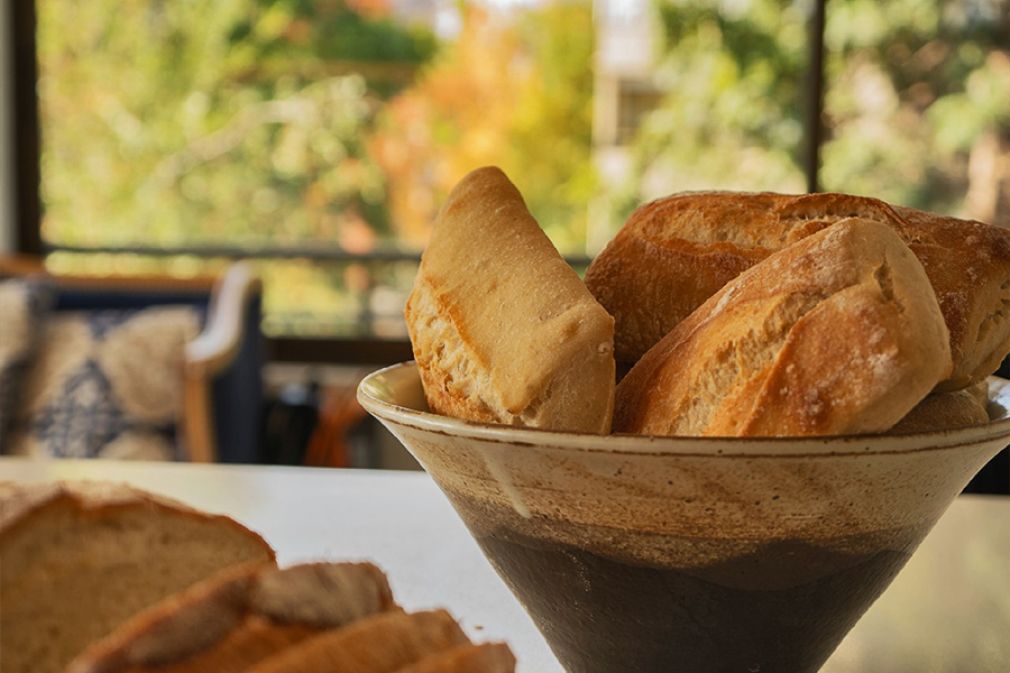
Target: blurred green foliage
[(236, 121), (338, 122), (918, 104), (511, 91), (731, 115)]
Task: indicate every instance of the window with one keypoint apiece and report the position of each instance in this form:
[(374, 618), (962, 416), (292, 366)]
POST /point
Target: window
[(319, 138), (917, 105)]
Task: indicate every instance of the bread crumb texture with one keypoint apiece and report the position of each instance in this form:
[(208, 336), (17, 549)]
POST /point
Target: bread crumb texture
[(839, 333), (503, 330), (77, 559), (674, 253)]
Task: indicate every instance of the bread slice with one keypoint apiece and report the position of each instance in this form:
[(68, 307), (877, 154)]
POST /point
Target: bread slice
[(503, 330), (239, 617), (77, 559), (946, 411), (839, 333), (484, 658), (674, 253), (379, 644)]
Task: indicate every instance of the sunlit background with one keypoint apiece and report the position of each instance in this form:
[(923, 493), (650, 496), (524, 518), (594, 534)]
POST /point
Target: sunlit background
[(319, 137)]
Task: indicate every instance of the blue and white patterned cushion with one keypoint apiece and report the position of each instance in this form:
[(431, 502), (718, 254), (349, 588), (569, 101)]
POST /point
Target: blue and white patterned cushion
[(23, 304), (107, 384)]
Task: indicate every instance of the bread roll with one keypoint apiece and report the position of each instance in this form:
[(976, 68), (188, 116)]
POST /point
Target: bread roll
[(837, 334), (946, 411), (503, 330), (239, 618), (676, 252), (78, 559)]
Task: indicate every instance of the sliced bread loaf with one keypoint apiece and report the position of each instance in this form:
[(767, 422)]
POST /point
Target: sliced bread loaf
[(484, 658), (379, 644), (78, 559), (239, 617)]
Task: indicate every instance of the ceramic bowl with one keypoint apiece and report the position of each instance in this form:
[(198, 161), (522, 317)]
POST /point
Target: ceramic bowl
[(688, 554)]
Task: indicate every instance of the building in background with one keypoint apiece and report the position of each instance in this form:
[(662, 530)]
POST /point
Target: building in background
[(624, 91)]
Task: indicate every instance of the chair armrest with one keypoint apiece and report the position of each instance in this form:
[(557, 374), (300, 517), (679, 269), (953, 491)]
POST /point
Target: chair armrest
[(212, 351), (216, 346)]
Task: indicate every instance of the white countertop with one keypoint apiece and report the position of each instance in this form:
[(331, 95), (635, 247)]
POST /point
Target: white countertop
[(947, 612)]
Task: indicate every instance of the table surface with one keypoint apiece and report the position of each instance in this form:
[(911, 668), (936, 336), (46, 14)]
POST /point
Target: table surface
[(947, 612)]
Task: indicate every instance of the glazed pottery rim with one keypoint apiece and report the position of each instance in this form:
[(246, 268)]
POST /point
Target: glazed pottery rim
[(374, 395)]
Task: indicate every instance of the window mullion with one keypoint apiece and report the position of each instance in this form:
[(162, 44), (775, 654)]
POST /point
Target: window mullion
[(814, 131)]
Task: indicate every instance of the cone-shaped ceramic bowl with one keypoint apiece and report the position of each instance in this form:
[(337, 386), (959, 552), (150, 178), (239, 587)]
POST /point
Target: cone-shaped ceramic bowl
[(689, 555)]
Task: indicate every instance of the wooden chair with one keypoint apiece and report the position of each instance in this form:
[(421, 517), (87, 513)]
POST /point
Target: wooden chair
[(221, 370)]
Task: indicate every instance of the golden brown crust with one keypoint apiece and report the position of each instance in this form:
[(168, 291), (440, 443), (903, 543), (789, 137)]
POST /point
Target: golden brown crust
[(503, 330), (968, 264), (674, 253), (649, 288), (252, 640), (181, 624), (485, 658), (19, 501), (837, 334), (239, 617), (946, 411), (378, 644)]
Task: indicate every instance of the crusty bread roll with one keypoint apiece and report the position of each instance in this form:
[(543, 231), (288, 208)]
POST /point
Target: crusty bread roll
[(839, 333), (676, 252), (503, 330), (946, 411), (238, 618), (381, 643), (77, 559)]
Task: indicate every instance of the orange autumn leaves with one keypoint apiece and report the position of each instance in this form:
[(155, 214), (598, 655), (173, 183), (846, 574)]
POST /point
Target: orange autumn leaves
[(508, 92)]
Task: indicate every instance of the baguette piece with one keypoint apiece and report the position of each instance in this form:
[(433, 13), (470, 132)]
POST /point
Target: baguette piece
[(503, 330), (946, 411), (379, 644), (79, 558), (238, 618), (674, 253), (485, 658), (839, 333)]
